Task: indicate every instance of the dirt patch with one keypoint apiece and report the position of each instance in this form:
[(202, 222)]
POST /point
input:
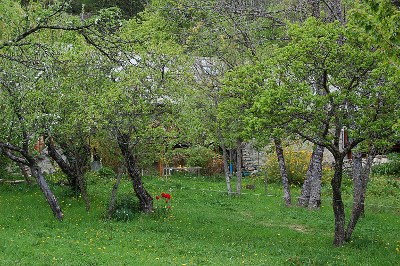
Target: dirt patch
[(296, 227)]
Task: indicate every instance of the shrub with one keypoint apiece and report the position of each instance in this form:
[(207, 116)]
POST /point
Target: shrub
[(382, 186), (176, 157), (106, 172), (197, 156), (58, 177), (296, 165), (126, 208), (390, 168)]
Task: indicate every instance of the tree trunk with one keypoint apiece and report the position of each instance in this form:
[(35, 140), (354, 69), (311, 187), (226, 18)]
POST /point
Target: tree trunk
[(337, 203), (366, 173), (72, 171), (51, 199), (316, 176), (25, 173), (315, 10), (239, 167), (360, 181), (82, 188), (304, 197), (311, 190), (282, 166), (335, 10), (30, 161), (226, 169), (145, 199), (111, 207)]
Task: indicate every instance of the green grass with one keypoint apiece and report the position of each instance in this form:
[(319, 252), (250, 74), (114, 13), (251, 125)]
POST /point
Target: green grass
[(204, 227)]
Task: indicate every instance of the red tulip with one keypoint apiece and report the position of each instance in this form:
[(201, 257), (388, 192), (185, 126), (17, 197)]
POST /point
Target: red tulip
[(166, 195)]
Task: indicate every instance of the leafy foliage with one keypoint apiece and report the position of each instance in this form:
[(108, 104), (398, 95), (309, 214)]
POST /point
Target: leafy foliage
[(390, 168), (196, 156), (297, 163), (126, 208)]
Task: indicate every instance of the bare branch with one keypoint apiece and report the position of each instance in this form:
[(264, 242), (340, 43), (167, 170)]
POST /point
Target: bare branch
[(13, 157)]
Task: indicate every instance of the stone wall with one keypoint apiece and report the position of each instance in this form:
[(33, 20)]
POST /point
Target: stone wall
[(253, 159)]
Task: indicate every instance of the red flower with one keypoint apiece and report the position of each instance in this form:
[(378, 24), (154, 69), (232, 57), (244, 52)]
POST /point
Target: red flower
[(166, 195), (169, 207), (166, 201), (157, 197)]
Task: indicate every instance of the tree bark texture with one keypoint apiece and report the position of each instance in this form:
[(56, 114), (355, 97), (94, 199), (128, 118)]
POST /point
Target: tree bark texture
[(77, 155), (337, 203), (304, 197), (25, 173), (315, 9), (111, 206), (360, 180), (282, 166), (50, 198), (311, 190), (336, 10), (74, 172), (226, 169), (239, 167), (145, 199), (316, 176), (30, 161)]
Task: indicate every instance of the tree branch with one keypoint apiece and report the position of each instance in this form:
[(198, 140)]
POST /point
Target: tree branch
[(6, 149)]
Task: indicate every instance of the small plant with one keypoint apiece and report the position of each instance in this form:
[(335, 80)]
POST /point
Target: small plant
[(106, 172), (126, 209), (58, 177), (163, 203)]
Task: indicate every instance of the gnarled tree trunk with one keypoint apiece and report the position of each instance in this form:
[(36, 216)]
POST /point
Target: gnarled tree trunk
[(285, 181), (360, 180), (26, 158), (72, 170), (226, 169), (25, 173), (113, 199), (239, 171), (337, 203), (145, 199), (311, 190), (50, 198)]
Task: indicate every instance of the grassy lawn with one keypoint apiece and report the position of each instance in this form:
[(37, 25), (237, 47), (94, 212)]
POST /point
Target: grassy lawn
[(203, 227)]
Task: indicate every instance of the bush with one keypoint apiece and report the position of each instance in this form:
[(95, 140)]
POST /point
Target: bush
[(296, 165), (198, 156), (126, 208), (390, 168), (58, 177), (106, 172), (381, 186)]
